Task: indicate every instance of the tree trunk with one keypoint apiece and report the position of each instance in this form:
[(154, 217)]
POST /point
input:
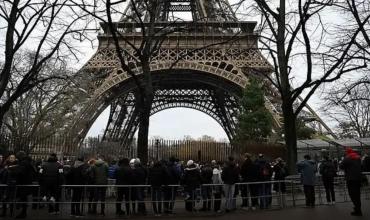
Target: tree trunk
[(290, 136), (145, 106), (142, 140)]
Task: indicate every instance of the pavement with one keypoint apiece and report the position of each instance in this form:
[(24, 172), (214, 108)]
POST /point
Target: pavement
[(339, 211)]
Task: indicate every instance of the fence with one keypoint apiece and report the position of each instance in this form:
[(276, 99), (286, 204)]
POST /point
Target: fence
[(173, 196), (40, 147)]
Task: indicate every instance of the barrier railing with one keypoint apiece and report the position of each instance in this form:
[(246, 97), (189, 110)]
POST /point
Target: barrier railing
[(146, 199)]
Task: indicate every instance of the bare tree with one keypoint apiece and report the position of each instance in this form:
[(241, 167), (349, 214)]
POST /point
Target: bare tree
[(48, 28), (296, 31), (351, 110), (45, 110)]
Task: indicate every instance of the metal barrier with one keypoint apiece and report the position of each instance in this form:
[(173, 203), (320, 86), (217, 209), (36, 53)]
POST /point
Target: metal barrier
[(145, 199)]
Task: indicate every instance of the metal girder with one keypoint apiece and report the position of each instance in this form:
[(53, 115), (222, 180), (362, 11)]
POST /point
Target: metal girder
[(207, 100), (202, 10), (206, 79)]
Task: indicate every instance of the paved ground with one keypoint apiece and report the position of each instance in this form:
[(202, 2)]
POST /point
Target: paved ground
[(338, 212)]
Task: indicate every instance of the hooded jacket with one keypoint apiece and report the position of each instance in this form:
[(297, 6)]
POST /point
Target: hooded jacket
[(351, 165), (307, 169), (100, 173)]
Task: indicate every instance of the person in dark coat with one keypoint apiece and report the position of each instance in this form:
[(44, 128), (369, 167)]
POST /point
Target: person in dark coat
[(170, 190), (366, 163), (265, 174), (206, 175), (51, 179), (249, 173), (230, 176), (26, 175), (78, 175), (328, 172), (351, 165), (281, 171), (100, 177), (124, 176), (191, 181), (140, 176), (307, 168), (9, 177), (157, 178)]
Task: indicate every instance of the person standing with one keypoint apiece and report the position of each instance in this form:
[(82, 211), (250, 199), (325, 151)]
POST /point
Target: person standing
[(351, 165), (157, 179), (230, 176), (206, 190), (140, 177), (250, 174), (307, 168), (100, 177), (265, 174), (217, 190), (9, 177), (51, 179), (191, 181), (78, 175), (124, 176), (27, 174), (328, 172), (170, 191)]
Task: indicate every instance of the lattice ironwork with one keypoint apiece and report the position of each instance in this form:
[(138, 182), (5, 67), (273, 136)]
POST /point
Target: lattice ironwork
[(204, 67)]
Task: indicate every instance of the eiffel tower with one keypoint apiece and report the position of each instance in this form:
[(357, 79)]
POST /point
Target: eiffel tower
[(193, 69)]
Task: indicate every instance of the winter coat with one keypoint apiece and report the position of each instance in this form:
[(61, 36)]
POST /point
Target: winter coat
[(206, 175), (112, 171), (174, 174), (327, 169), (140, 175), (230, 174), (352, 167), (366, 164), (191, 178), (27, 172), (100, 173), (124, 175), (249, 171), (51, 173), (78, 175), (281, 171), (158, 175), (11, 174), (307, 169), (264, 170)]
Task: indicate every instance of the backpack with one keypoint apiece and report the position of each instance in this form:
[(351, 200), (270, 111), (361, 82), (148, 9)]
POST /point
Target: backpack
[(329, 170), (266, 170)]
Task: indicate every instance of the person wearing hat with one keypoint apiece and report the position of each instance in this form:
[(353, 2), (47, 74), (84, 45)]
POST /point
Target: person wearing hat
[(351, 165), (191, 181)]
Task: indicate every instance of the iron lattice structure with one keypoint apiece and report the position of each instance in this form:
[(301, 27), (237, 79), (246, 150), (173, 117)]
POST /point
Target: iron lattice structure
[(203, 64)]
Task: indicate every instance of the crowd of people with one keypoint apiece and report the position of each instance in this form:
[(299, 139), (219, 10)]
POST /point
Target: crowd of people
[(208, 182)]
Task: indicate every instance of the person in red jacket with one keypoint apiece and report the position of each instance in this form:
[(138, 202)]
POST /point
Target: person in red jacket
[(352, 169)]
